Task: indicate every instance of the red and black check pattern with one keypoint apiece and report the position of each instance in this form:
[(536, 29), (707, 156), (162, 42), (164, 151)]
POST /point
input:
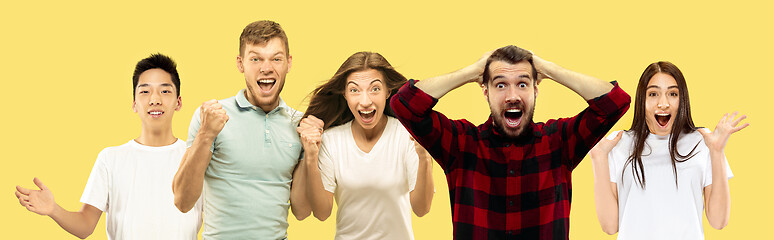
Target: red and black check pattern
[(506, 188)]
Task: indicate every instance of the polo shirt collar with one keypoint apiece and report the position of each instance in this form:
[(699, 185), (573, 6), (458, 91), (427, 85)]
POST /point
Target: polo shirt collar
[(243, 103)]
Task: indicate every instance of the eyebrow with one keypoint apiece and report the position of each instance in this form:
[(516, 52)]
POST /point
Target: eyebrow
[(654, 86), (148, 85), (372, 82), (275, 54)]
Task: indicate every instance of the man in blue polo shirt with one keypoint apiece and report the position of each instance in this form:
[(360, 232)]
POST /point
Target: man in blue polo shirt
[(243, 151)]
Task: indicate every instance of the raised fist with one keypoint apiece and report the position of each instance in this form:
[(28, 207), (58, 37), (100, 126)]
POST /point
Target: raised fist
[(213, 117)]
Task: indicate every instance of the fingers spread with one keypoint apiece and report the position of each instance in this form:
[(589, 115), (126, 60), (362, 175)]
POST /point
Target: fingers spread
[(39, 184), (23, 190)]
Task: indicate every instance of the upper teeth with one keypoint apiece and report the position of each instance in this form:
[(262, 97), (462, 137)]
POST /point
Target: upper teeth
[(266, 81), (513, 110), (155, 113), (662, 114), (368, 112)]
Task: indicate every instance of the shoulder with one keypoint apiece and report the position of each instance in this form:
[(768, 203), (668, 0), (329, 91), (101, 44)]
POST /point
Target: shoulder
[(336, 132), (108, 155)]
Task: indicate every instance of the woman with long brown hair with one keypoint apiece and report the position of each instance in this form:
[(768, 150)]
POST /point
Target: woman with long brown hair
[(365, 158), (654, 180)]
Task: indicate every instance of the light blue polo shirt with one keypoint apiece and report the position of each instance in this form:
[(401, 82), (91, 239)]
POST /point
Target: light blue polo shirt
[(247, 184)]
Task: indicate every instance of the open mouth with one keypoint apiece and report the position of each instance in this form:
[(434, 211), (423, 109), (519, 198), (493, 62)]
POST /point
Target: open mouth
[(155, 113), (367, 116), (512, 117), (266, 84), (663, 119)]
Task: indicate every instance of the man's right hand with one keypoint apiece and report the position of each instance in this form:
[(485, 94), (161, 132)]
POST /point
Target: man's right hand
[(213, 117), (37, 201), (310, 131), (478, 68)]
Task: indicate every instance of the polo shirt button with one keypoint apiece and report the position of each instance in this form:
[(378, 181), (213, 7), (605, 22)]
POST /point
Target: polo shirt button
[(511, 172), (510, 232), (510, 203), (267, 131), (507, 145)]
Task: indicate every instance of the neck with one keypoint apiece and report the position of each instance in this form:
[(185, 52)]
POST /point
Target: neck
[(265, 107), (156, 137), (370, 134)]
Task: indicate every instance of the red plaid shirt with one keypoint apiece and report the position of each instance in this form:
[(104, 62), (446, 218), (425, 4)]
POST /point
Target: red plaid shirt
[(506, 188)]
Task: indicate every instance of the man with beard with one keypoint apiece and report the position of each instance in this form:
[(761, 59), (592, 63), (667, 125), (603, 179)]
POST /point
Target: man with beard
[(509, 178), (243, 151)]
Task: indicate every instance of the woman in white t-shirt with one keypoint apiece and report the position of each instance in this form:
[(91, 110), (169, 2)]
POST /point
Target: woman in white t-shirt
[(365, 159), (654, 180)]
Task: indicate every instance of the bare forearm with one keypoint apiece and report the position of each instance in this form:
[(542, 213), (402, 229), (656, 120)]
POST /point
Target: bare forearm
[(441, 85), (586, 86), (320, 199), (189, 179), (605, 197), (299, 203), (422, 195), (719, 202), (81, 223)]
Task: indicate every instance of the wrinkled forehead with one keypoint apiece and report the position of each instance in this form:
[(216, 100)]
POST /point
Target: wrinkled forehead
[(273, 46), (520, 69), (365, 78)]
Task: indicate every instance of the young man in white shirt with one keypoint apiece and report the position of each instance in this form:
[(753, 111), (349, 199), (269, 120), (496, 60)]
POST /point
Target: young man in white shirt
[(131, 182)]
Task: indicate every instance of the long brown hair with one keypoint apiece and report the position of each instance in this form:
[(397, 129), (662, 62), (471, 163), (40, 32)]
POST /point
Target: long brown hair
[(683, 122), (327, 102)]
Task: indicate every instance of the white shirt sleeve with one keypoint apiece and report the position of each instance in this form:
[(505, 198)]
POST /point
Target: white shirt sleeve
[(193, 129), (708, 169), (412, 164), (325, 164), (97, 188)]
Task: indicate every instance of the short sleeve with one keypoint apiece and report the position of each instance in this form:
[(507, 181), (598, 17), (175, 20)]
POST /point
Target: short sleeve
[(97, 189), (708, 169), (325, 164), (412, 163), (193, 129)]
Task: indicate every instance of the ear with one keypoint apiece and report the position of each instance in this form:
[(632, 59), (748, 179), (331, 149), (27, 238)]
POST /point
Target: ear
[(290, 62), (485, 89), (239, 64), (134, 106), (536, 91), (179, 103)]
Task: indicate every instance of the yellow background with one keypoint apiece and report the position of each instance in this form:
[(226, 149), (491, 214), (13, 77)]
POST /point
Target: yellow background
[(66, 79)]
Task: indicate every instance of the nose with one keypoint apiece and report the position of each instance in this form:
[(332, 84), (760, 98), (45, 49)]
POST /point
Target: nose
[(365, 100), (155, 99), (512, 96), (266, 67), (662, 102)]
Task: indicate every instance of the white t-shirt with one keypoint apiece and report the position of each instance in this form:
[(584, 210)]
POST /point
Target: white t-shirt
[(371, 189), (662, 210), (132, 183)]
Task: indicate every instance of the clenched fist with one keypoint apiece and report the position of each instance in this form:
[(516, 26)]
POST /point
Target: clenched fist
[(213, 117), (310, 131)]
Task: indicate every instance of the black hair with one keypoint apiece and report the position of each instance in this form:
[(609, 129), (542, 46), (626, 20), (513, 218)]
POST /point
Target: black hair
[(160, 61)]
